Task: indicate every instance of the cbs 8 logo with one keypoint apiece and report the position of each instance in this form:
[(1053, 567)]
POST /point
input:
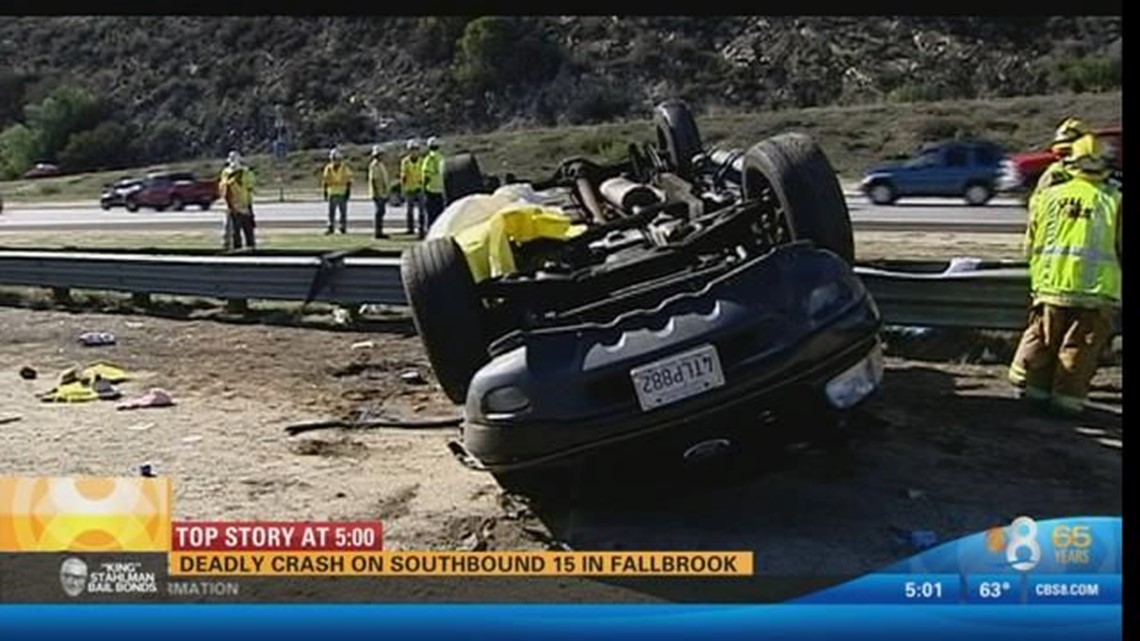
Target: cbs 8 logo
[(1023, 551)]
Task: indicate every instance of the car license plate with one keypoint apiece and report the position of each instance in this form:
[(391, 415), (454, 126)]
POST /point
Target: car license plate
[(678, 377)]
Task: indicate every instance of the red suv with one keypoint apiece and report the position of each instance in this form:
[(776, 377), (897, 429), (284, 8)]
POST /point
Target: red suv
[(1020, 172), (173, 190)]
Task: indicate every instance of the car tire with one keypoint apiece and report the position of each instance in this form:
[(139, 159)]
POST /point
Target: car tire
[(677, 136), (881, 193), (160, 207), (447, 312), (794, 169), (177, 205), (132, 205), (106, 207), (978, 194), (462, 177)]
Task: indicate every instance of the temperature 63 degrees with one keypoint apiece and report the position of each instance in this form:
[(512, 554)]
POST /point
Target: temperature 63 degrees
[(993, 589)]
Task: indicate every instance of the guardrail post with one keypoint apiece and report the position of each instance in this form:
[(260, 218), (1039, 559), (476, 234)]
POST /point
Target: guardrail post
[(61, 294)]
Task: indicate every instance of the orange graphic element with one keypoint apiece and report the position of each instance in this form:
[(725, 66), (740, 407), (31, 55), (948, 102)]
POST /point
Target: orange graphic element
[(85, 514), (995, 540)]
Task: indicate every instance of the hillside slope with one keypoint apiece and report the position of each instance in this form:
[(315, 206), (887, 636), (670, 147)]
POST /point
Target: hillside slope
[(185, 87)]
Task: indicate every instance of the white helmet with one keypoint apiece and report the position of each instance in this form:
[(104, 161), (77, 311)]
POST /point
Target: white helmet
[(233, 159), (432, 142), (376, 150), (413, 143), (334, 153)]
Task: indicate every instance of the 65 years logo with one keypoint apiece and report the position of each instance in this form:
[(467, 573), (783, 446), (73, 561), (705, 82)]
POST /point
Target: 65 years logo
[(1068, 544)]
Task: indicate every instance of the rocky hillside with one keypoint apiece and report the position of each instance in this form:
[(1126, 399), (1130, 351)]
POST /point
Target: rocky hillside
[(166, 88)]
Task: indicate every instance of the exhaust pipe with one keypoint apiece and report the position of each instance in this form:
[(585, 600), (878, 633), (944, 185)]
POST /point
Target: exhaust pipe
[(630, 196)]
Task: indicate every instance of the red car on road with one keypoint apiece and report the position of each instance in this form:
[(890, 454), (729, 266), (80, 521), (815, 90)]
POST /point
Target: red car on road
[(173, 190), (1020, 172)]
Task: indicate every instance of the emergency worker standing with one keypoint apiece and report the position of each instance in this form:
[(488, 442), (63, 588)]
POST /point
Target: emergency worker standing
[(235, 188), (412, 186), (1075, 255), (432, 169), (336, 182), (378, 189)]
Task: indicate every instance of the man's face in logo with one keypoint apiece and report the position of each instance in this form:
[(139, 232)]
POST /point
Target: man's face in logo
[(73, 576)]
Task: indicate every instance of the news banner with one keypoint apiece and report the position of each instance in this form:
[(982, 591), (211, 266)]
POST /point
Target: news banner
[(91, 538)]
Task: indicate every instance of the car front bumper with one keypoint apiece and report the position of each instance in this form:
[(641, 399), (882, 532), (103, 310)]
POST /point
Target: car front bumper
[(832, 370)]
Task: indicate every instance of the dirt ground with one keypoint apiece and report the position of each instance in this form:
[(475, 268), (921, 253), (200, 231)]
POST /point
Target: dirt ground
[(943, 447)]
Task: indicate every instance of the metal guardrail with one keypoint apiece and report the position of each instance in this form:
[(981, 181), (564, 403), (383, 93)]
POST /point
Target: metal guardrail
[(994, 296)]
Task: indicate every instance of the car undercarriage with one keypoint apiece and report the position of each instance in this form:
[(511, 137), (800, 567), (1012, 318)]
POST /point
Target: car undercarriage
[(699, 279)]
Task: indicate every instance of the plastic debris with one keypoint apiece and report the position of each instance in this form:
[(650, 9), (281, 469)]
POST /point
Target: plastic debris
[(104, 371), (364, 345), (963, 264), (922, 539), (341, 316), (147, 470), (96, 339), (413, 377), (191, 439), (141, 427), (153, 398), (4, 420)]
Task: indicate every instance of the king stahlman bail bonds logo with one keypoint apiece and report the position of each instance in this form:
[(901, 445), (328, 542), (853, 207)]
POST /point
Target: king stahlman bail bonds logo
[(110, 577)]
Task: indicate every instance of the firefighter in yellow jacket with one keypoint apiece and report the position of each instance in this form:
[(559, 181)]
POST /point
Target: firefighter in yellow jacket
[(336, 182), (378, 189), (1056, 173), (235, 188), (432, 169), (1075, 255), (412, 186)]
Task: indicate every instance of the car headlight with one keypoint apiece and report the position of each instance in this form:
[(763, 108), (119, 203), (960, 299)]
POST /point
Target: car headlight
[(829, 298), (856, 382), (505, 400)]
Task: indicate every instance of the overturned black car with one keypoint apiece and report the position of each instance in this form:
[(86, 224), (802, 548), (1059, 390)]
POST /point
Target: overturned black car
[(709, 306)]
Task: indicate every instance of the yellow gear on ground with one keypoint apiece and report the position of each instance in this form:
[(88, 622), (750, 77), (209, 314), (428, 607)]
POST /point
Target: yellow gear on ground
[(75, 392), (105, 371), (487, 246)]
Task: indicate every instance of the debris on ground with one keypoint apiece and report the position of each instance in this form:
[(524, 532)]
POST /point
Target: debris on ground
[(412, 377), (147, 470), (81, 391), (364, 345), (28, 374), (191, 439), (364, 422), (963, 264), (141, 427), (341, 316), (96, 339), (154, 397), (4, 420), (104, 371), (914, 494)]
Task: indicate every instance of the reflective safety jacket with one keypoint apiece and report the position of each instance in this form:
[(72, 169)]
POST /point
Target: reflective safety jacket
[(432, 169), (235, 188), (377, 179), (1073, 242), (411, 174), (336, 179), (1054, 175)]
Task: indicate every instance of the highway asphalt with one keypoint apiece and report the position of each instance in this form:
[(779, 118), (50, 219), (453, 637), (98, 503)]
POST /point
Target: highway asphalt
[(998, 216)]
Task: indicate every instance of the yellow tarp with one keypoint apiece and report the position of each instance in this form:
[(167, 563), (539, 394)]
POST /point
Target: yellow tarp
[(487, 246)]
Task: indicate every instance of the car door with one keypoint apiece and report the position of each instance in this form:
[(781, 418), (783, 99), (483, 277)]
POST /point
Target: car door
[(950, 177), (987, 164), (915, 176)]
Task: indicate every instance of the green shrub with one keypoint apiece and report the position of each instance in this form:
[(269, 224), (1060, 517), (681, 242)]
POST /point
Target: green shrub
[(497, 52), (1090, 73), (104, 147), (936, 129)]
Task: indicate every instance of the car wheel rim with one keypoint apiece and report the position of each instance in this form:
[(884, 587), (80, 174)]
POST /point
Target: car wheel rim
[(976, 194), (881, 194)]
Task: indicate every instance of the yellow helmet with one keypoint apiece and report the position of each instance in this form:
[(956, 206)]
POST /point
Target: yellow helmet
[(1067, 133), (1088, 157)]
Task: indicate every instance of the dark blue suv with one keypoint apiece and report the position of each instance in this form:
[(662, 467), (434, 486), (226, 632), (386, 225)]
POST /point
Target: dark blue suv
[(969, 169)]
